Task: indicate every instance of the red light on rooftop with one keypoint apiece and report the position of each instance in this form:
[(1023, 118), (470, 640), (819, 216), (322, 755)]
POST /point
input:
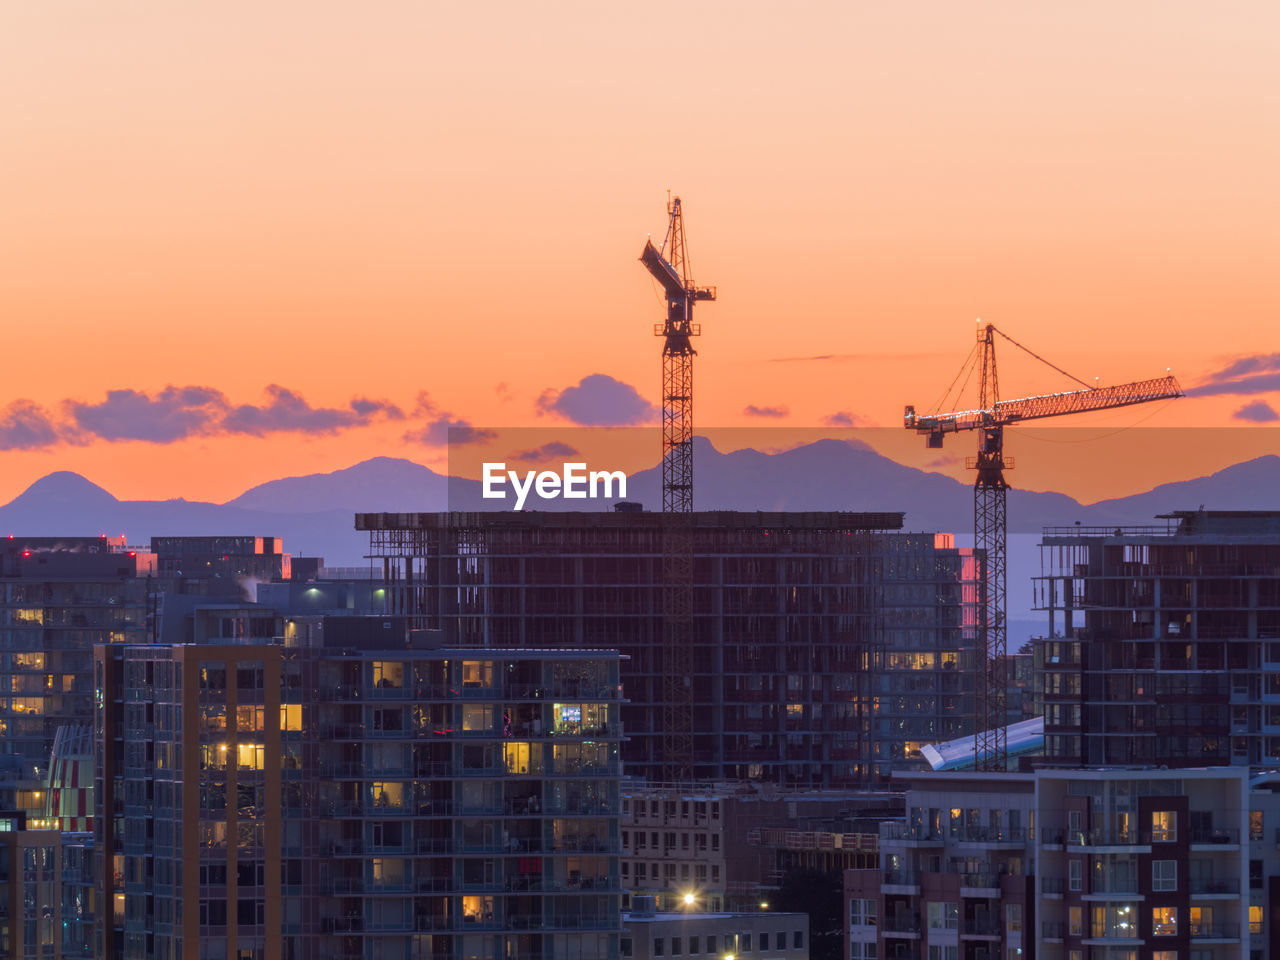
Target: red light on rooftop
[(133, 553), (26, 553)]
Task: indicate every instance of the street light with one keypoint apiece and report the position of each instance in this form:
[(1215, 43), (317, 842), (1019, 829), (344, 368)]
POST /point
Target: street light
[(690, 900)]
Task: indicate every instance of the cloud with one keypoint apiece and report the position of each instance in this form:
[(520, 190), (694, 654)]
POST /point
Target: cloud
[(1244, 376), (752, 410), (446, 430), (555, 450), (946, 460), (368, 408), (598, 400), (174, 413), (844, 418), (821, 356), (288, 412), (1257, 412), (25, 425), (177, 413)]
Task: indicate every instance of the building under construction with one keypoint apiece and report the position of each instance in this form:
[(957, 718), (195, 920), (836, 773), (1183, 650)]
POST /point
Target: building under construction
[(825, 647)]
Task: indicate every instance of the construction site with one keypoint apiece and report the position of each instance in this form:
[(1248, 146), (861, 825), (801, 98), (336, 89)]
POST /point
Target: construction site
[(815, 650)]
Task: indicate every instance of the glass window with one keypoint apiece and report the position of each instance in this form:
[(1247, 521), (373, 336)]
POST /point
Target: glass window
[(1255, 918), (477, 674), (943, 914), (1164, 826), (1164, 874), (1164, 921), (1075, 921), (1117, 920), (1013, 917), (1255, 824), (1075, 870), (1201, 921), (659, 948)]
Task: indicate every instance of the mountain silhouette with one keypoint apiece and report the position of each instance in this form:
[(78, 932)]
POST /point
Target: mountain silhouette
[(314, 513)]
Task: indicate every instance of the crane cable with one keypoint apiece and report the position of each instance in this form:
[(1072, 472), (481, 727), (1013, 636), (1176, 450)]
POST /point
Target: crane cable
[(966, 364), (1087, 386), (1102, 436)]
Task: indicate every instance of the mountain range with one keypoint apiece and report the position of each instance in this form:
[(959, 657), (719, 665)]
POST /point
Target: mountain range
[(314, 513)]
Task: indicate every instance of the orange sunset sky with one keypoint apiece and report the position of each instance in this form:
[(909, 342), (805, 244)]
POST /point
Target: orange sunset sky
[(437, 208)]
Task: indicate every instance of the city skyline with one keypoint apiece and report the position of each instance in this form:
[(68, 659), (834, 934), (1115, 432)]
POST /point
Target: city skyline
[(431, 217)]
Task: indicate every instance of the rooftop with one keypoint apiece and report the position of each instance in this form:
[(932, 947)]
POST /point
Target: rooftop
[(570, 520)]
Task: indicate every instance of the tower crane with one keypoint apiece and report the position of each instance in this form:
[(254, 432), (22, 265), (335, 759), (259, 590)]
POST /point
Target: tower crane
[(669, 265), (990, 529)]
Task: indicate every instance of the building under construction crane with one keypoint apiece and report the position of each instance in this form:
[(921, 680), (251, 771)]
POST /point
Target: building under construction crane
[(670, 267), (990, 527)]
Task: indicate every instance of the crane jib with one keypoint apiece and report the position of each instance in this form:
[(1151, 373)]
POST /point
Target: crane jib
[(1049, 405)]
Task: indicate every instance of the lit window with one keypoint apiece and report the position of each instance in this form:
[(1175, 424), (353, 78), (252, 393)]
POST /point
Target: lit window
[(1013, 917), (1255, 918), (1164, 921), (388, 675), (1164, 826), (477, 673), (1075, 921), (1201, 921), (389, 795), (1255, 824), (291, 717), (251, 756)]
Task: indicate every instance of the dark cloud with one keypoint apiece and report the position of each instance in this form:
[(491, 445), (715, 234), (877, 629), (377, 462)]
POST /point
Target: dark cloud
[(25, 425), (447, 430), (1259, 373), (771, 412), (368, 408), (1257, 412), (174, 413), (598, 400), (555, 450), (844, 418), (287, 412), (946, 460)]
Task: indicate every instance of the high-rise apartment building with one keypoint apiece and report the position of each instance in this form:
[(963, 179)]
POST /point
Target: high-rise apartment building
[(46, 892), (728, 845), (58, 597), (826, 647), (1116, 863), (375, 796), (1163, 644)]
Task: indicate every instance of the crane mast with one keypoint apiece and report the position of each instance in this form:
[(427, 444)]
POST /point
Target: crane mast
[(990, 516), (669, 265)]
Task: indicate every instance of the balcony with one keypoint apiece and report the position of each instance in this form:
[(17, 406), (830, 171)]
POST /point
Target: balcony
[(988, 926), (1225, 932), (1052, 930), (901, 925), (1215, 835), (1215, 888)]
